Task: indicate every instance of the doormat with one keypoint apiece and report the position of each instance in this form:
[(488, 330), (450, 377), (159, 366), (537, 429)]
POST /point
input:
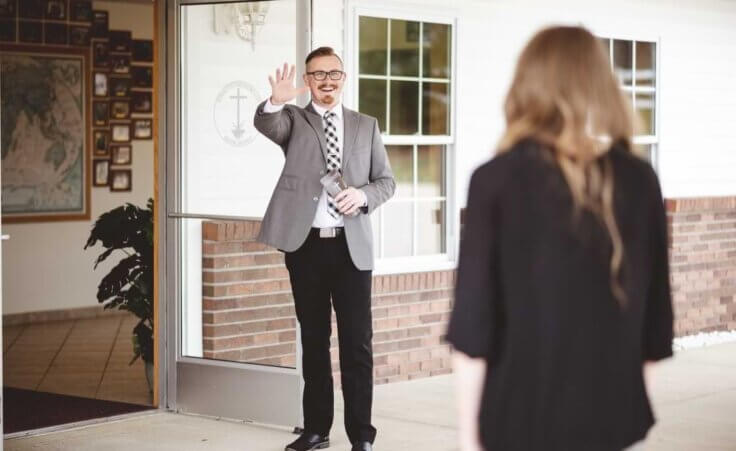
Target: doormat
[(24, 410)]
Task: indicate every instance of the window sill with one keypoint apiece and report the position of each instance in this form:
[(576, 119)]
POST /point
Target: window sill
[(407, 265)]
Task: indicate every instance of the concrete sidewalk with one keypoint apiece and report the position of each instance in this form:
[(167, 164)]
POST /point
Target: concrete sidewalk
[(694, 396)]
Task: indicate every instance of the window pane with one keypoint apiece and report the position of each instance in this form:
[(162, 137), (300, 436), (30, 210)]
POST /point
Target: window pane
[(430, 227), (431, 171), (398, 219), (436, 50), (404, 108), (435, 108), (402, 165), (645, 108), (404, 48), (645, 64), (623, 58), (372, 99), (373, 45)]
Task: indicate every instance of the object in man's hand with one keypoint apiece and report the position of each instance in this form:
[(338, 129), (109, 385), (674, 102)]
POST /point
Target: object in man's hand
[(333, 183)]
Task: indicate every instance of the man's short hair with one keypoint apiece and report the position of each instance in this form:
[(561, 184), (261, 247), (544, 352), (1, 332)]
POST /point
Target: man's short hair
[(322, 51)]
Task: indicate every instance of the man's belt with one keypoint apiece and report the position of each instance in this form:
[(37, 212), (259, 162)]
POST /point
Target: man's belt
[(327, 232)]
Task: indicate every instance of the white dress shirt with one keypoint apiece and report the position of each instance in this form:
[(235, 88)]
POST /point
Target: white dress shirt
[(322, 218)]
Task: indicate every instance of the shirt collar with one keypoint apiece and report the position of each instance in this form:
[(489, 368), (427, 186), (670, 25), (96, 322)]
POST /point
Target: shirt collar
[(337, 109)]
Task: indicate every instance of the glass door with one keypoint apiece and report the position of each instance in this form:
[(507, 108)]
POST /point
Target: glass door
[(237, 347)]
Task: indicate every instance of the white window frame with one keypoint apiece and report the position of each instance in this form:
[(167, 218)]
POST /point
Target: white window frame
[(653, 140), (353, 11)]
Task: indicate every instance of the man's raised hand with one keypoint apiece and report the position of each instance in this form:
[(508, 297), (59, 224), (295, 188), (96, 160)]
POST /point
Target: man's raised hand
[(282, 88)]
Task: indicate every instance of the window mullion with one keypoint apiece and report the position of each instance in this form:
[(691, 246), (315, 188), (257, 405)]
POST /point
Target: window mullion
[(415, 195)]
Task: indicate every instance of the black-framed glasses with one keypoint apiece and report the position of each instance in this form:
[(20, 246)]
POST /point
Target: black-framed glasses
[(320, 75)]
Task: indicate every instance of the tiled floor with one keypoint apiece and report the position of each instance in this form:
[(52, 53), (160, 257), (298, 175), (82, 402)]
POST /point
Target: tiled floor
[(694, 396), (85, 357)]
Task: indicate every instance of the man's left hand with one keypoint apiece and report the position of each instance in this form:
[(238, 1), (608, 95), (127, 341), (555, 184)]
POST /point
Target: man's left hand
[(350, 200)]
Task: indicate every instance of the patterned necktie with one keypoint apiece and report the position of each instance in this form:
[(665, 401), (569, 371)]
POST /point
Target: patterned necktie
[(333, 157)]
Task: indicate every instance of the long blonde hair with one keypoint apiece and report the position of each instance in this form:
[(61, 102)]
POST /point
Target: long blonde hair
[(565, 96)]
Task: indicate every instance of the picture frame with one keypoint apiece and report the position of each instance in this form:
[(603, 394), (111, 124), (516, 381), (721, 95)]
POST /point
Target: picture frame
[(142, 76), (7, 30), (101, 87), (100, 113), (100, 24), (142, 128), (143, 50), (100, 54), (30, 32), (120, 64), (8, 8), (120, 40), (119, 86), (65, 197), (101, 173), (121, 132), (31, 9), (119, 109), (80, 11), (121, 154), (56, 33), (79, 35), (55, 10), (121, 180), (101, 142), (141, 102)]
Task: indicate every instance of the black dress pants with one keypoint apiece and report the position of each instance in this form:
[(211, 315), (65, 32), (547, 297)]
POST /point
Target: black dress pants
[(319, 270)]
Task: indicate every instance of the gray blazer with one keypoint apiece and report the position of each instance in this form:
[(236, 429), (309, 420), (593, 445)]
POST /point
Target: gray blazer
[(290, 213)]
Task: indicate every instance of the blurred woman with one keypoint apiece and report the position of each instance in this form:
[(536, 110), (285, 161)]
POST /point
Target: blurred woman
[(563, 281)]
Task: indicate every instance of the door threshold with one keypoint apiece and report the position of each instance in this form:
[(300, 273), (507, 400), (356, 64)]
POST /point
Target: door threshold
[(81, 424)]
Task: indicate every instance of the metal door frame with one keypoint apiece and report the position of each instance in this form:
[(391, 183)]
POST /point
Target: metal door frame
[(254, 393)]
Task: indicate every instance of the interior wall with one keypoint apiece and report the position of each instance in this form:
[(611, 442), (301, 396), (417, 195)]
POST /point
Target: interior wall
[(45, 266)]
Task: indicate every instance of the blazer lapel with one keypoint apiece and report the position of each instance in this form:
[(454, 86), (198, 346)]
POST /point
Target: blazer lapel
[(315, 121), (350, 133)]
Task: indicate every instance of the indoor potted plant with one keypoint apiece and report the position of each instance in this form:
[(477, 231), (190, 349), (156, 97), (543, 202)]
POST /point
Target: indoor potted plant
[(129, 285)]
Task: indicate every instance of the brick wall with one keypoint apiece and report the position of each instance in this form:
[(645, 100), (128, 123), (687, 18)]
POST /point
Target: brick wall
[(703, 263), (248, 313)]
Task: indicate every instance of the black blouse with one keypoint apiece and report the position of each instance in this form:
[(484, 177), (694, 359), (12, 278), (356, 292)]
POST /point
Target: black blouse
[(534, 299)]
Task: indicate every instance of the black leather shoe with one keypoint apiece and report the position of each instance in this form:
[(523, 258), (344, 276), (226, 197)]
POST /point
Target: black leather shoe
[(308, 442), (362, 446)]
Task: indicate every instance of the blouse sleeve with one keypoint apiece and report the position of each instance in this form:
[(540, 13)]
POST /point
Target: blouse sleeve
[(474, 317), (658, 320)]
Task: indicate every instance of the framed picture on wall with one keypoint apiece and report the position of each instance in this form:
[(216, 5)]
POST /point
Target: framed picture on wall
[(142, 76), (56, 33), (120, 133), (99, 24), (120, 64), (52, 138), (79, 35), (31, 9), (7, 30), (100, 54), (121, 154), (119, 109), (30, 32), (101, 87), (81, 11), (55, 10), (101, 140), (142, 128), (119, 41), (121, 179), (142, 102), (8, 8), (101, 173), (100, 113), (142, 50), (119, 86)]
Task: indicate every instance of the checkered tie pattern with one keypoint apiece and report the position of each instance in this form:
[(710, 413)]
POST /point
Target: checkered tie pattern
[(333, 157)]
